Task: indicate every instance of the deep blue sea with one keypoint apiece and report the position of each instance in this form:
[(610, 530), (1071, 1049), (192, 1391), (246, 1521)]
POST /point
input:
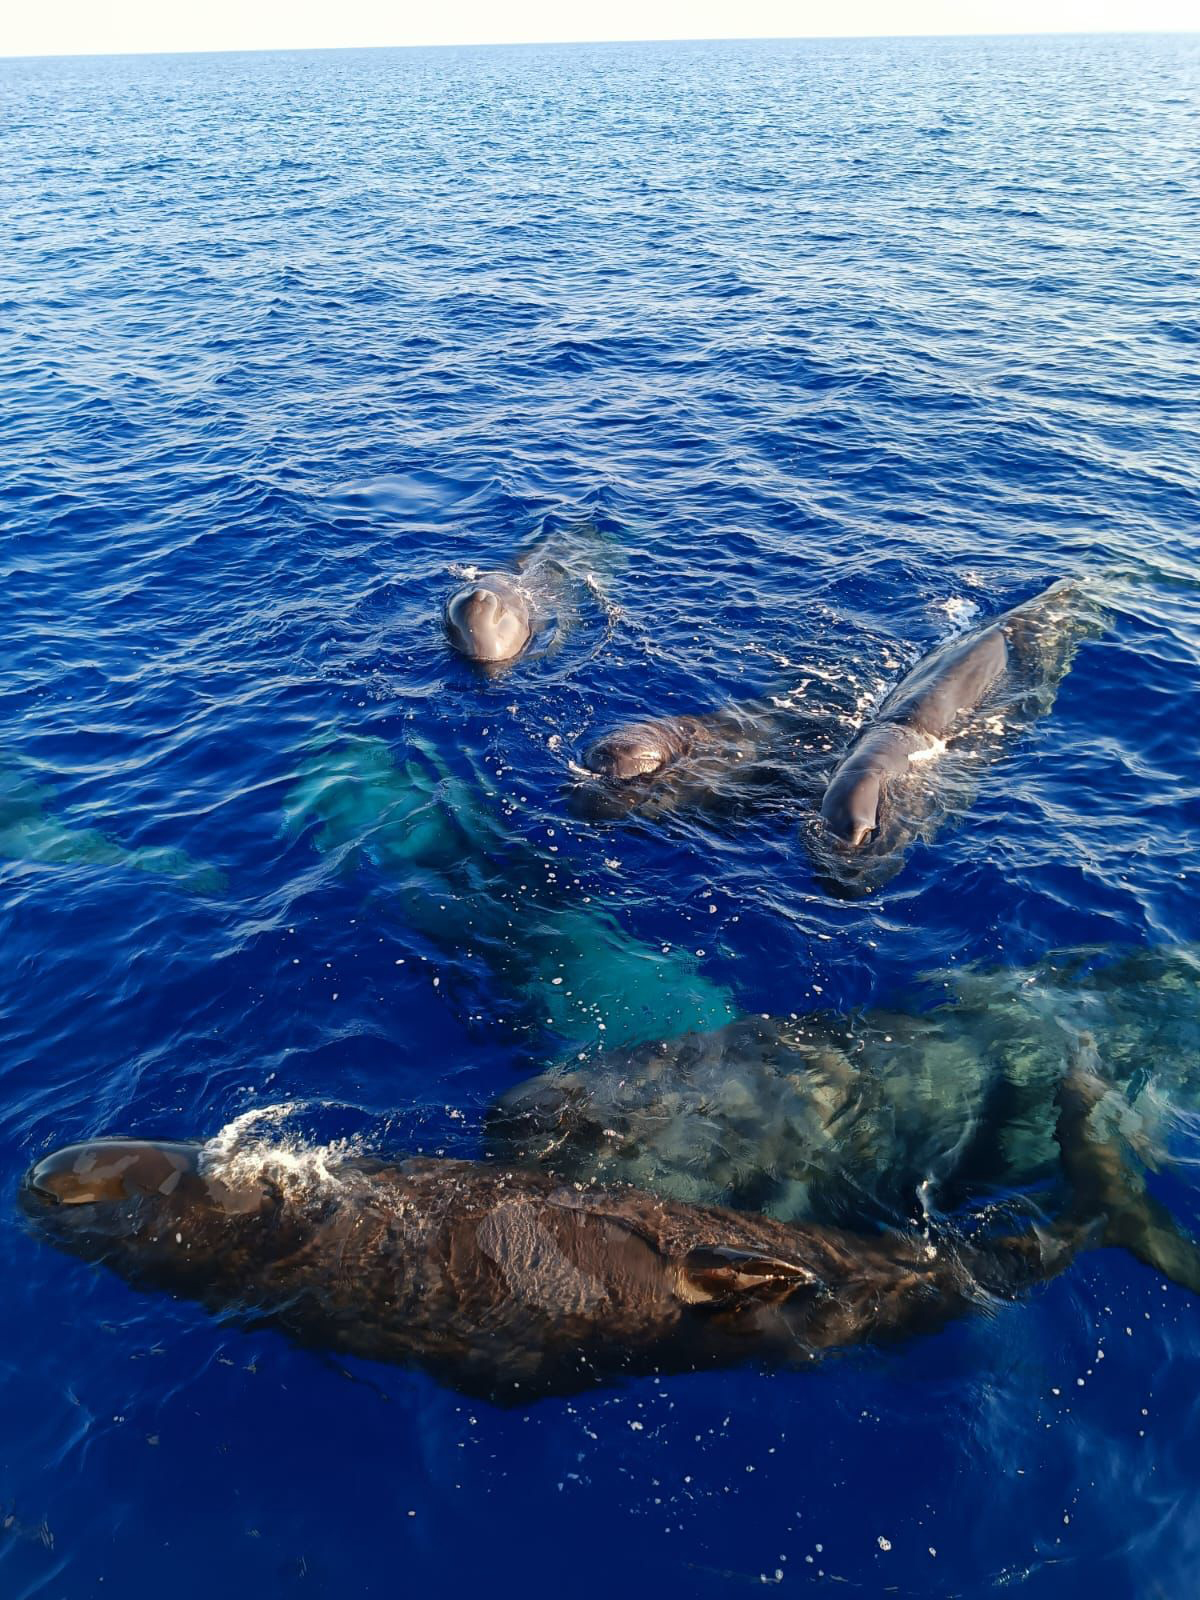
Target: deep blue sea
[(809, 353)]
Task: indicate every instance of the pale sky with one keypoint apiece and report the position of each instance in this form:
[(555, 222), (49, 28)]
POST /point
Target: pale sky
[(69, 27)]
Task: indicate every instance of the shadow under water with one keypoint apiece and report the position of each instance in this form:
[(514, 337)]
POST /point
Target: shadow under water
[(881, 1116), (29, 833), (455, 869)]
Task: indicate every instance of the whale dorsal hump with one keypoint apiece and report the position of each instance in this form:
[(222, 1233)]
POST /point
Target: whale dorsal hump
[(720, 1273)]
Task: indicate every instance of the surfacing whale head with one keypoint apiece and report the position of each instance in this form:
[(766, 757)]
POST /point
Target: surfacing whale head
[(621, 771), (145, 1207), (853, 803), (851, 807), (488, 620), (112, 1172), (717, 762), (637, 750)]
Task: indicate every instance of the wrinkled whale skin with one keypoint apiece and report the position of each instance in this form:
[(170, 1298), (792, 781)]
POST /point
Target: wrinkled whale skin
[(511, 1284)]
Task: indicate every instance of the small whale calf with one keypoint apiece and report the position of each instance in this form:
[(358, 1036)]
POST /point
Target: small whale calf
[(666, 764), (513, 1284), (646, 749)]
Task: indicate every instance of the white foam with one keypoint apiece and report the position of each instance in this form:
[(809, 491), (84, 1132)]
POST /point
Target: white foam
[(935, 748), (793, 699), (255, 1145), (960, 613)]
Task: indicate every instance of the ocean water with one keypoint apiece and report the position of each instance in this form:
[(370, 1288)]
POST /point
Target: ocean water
[(800, 357)]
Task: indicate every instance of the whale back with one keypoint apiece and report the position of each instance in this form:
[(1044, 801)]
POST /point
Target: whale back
[(513, 1284), (853, 802), (951, 681)]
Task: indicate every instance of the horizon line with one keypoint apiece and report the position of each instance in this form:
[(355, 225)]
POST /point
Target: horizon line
[(584, 44)]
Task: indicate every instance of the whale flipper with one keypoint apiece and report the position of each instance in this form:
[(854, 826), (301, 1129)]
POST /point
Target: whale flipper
[(1144, 1227), (718, 1274)]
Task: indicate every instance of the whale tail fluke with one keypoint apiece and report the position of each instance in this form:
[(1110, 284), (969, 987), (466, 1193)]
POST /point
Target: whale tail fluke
[(1150, 1233), (1105, 1186), (1108, 1204)]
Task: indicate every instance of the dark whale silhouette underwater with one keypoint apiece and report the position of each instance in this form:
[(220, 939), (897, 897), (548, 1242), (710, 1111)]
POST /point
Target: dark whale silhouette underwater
[(880, 1116), (511, 1284)]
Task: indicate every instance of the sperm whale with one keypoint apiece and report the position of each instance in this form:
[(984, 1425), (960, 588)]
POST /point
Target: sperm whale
[(512, 1284), (968, 697)]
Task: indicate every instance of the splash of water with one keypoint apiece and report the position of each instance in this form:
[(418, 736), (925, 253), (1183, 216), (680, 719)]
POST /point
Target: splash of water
[(257, 1144)]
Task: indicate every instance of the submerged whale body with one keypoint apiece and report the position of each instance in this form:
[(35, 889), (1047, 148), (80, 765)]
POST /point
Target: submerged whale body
[(30, 832), (869, 1118), (438, 838), (968, 698), (512, 1284)]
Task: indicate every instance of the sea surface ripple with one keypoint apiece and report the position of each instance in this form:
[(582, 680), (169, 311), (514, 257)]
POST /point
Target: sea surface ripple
[(808, 354)]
